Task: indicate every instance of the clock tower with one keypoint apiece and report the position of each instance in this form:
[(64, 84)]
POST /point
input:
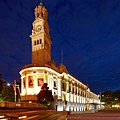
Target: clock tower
[(41, 43)]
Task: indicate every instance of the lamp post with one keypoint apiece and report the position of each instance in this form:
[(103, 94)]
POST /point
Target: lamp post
[(100, 100), (14, 88)]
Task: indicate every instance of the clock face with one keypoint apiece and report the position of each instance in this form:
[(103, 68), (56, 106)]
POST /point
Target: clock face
[(38, 28)]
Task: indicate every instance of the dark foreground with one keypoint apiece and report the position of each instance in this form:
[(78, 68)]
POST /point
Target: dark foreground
[(32, 115), (95, 116), (16, 114)]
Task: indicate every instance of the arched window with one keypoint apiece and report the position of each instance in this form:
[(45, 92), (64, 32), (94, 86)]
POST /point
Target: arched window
[(63, 86), (41, 14), (55, 84), (40, 41), (34, 42), (37, 42), (69, 88)]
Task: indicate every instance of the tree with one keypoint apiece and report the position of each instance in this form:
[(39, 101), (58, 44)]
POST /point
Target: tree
[(3, 84), (45, 96), (8, 94), (110, 97), (1, 99)]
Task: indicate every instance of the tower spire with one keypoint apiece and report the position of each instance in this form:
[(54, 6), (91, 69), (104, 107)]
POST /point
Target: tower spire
[(40, 2)]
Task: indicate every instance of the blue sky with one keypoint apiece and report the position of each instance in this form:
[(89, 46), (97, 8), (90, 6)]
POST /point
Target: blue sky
[(88, 31)]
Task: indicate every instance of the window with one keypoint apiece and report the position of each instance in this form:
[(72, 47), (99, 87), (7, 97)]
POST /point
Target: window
[(73, 89), (81, 93), (30, 81), (40, 81), (69, 88), (34, 42), (40, 41), (37, 42), (55, 84), (63, 86), (41, 14), (38, 15)]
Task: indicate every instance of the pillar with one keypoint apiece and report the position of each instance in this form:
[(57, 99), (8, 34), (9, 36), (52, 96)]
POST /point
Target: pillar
[(59, 89)]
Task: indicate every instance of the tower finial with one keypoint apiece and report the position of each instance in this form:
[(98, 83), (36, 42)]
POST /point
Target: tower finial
[(40, 2)]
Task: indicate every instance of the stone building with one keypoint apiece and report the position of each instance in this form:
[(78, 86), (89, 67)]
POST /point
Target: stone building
[(69, 92)]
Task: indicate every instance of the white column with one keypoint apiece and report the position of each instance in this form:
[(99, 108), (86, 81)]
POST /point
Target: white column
[(67, 86), (75, 94), (67, 91), (35, 83), (59, 89), (72, 97), (21, 85), (26, 84), (77, 98), (72, 93), (69, 97), (80, 98), (36, 87), (50, 82), (78, 107), (45, 77), (77, 89)]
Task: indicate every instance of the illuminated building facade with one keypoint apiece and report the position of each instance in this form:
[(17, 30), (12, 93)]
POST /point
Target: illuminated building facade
[(69, 92)]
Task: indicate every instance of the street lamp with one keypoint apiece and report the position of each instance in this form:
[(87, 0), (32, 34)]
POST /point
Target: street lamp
[(8, 84), (14, 87)]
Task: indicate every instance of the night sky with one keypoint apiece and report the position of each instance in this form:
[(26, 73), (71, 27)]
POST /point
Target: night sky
[(88, 32)]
